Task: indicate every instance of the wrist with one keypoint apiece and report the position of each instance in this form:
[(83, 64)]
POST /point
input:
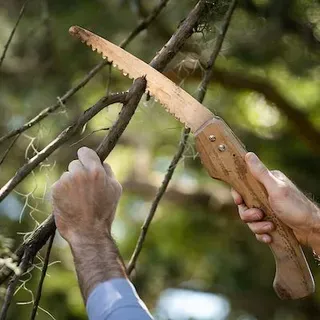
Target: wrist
[(96, 260), (89, 238)]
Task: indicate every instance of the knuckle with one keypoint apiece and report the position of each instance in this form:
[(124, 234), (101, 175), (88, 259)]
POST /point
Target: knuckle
[(257, 214), (279, 175), (71, 164), (253, 215), (63, 180), (56, 191), (244, 216), (79, 176), (97, 172), (74, 162), (265, 225), (65, 176), (118, 187), (257, 227), (282, 192), (107, 166), (55, 188)]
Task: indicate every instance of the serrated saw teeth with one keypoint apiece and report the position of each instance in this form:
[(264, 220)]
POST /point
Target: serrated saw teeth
[(175, 100)]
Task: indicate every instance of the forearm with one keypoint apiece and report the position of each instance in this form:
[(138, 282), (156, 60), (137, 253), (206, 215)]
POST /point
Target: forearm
[(85, 200), (96, 262), (107, 292)]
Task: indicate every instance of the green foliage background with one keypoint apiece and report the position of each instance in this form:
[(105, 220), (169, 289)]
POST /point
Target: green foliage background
[(196, 239)]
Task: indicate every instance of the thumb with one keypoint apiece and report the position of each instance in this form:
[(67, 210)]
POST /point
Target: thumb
[(261, 172)]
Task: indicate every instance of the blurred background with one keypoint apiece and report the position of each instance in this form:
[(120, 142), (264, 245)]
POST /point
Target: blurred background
[(199, 261)]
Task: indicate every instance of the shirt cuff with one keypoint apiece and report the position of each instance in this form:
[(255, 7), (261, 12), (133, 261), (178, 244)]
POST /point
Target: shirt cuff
[(111, 295)]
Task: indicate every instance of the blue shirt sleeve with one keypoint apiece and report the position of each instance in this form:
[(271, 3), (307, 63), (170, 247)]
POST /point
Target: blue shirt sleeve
[(114, 300)]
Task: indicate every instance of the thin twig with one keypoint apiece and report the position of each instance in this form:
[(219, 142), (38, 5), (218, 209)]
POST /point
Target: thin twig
[(155, 203), (128, 110), (208, 74), (31, 245), (182, 144), (8, 149), (109, 78), (145, 22), (43, 275), (6, 46), (88, 135), (12, 285), (45, 112), (62, 100), (40, 235)]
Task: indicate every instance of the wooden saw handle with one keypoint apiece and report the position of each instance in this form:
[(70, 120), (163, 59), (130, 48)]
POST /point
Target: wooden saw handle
[(222, 154)]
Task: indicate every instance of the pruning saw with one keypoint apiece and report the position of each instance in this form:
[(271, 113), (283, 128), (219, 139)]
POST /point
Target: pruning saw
[(221, 153)]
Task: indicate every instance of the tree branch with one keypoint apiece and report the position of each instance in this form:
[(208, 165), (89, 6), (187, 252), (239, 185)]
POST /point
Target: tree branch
[(127, 112), (14, 140), (6, 46), (195, 197), (12, 285), (64, 136), (43, 275), (144, 24), (182, 144), (301, 123), (39, 237), (156, 201), (175, 43)]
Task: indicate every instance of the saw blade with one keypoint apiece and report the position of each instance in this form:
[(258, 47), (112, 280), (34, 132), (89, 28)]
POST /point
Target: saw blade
[(174, 99)]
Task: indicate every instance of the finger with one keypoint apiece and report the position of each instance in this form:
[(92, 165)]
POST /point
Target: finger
[(279, 175), (242, 208), (89, 158), (251, 215), (261, 227), (236, 197), (75, 166), (265, 238), (65, 176), (56, 187), (108, 170), (261, 172)]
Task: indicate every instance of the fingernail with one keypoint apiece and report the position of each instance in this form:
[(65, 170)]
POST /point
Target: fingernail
[(265, 239), (252, 158)]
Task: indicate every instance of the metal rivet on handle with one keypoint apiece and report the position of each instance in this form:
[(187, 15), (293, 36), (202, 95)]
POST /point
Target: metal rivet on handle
[(222, 147), (212, 138)]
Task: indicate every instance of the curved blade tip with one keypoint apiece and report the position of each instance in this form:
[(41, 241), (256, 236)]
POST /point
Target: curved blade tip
[(78, 32)]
